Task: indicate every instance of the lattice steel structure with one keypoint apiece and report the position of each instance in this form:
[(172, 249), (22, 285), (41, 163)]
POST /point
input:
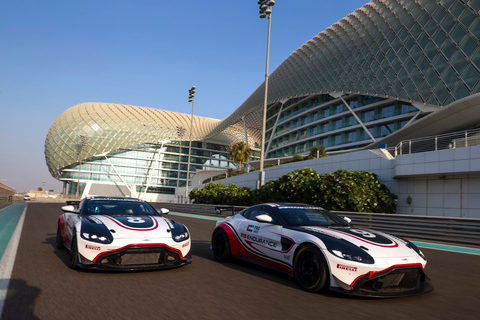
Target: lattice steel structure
[(134, 146), (421, 52), (391, 70)]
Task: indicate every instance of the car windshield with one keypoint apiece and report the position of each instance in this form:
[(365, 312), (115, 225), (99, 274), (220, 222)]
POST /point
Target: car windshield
[(310, 216), (112, 207)]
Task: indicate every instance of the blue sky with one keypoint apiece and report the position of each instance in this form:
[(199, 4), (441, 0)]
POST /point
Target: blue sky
[(55, 54)]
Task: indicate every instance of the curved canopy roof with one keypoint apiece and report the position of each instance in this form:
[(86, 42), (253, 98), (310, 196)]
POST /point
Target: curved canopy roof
[(424, 52), (90, 129)]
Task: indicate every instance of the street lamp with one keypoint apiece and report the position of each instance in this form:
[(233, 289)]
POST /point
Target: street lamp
[(191, 98), (265, 10), (180, 133), (80, 146)]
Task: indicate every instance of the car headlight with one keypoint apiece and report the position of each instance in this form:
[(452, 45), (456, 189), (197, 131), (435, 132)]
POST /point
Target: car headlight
[(94, 237), (181, 237), (348, 251), (353, 256)]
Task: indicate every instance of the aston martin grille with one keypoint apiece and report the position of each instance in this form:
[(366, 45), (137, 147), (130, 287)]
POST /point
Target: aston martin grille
[(396, 281), (139, 257)]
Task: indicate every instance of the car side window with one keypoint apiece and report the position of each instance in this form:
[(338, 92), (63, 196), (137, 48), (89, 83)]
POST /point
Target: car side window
[(251, 213), (267, 211), (81, 205)]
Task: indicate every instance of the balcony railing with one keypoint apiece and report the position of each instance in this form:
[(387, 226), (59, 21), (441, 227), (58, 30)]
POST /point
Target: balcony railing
[(454, 140)]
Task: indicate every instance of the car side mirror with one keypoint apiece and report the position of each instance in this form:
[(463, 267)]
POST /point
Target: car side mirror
[(264, 218), (69, 209), (347, 219), (164, 211)]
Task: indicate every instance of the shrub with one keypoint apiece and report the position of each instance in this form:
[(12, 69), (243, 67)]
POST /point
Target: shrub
[(356, 191), (217, 193)]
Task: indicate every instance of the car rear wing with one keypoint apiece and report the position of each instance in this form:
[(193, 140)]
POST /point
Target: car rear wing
[(73, 203)]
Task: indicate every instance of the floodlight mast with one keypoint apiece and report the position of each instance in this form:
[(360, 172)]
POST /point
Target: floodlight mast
[(265, 11), (191, 98)]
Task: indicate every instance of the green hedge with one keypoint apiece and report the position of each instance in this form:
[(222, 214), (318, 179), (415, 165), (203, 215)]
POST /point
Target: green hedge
[(356, 191)]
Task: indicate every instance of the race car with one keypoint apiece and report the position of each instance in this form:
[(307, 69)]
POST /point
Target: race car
[(322, 250), (116, 233)]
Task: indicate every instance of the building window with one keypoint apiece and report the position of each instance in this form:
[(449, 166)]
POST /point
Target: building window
[(352, 136), (369, 116), (337, 139), (388, 111)]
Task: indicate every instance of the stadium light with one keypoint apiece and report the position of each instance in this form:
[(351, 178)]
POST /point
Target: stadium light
[(191, 98), (265, 11)]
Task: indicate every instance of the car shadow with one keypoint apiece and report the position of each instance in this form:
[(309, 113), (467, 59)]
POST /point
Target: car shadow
[(203, 249)]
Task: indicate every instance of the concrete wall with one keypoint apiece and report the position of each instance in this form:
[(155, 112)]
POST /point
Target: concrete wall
[(438, 183)]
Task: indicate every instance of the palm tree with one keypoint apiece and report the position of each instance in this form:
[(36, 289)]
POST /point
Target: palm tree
[(239, 151)]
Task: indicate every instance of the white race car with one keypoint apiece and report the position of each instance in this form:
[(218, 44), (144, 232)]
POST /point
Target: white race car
[(322, 250), (121, 234)]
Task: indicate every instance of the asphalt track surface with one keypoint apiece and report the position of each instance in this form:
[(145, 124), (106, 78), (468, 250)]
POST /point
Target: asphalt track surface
[(43, 287)]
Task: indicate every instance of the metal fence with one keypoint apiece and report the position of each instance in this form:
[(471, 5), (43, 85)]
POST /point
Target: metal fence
[(464, 231), (434, 143)]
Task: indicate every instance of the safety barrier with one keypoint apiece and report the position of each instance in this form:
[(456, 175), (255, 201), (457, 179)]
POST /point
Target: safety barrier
[(442, 229)]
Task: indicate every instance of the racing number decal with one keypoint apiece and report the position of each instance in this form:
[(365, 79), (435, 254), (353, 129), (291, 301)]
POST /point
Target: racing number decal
[(135, 220), (141, 223), (364, 233)]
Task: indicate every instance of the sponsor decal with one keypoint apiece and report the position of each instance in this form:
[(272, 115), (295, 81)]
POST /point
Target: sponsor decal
[(286, 257), (185, 244), (170, 224), (243, 235), (262, 241), (347, 268), (295, 207), (92, 247), (252, 228)]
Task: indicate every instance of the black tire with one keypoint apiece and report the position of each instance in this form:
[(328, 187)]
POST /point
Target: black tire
[(310, 269), (221, 246), (73, 261), (59, 244)]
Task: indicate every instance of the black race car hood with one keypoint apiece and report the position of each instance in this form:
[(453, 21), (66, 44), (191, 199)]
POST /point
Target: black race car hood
[(375, 243)]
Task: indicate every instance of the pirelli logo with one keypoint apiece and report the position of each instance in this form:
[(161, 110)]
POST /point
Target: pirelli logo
[(347, 268), (92, 247)]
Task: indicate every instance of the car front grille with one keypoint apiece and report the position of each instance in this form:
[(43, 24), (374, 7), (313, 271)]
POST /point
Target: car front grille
[(395, 281), (140, 257)]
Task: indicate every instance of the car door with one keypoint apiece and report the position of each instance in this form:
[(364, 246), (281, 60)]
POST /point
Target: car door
[(263, 239)]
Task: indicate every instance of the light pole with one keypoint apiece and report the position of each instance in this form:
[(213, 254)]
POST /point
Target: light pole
[(180, 132), (80, 146), (191, 98), (265, 10)]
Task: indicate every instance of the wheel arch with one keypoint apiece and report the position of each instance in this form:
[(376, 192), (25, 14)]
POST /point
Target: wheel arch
[(313, 243)]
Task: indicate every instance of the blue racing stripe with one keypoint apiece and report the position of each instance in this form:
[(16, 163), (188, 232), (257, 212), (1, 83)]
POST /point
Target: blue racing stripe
[(8, 222), (417, 243), (447, 247), (196, 216)]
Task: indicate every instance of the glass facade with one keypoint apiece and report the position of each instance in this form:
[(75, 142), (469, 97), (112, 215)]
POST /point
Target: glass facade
[(332, 124)]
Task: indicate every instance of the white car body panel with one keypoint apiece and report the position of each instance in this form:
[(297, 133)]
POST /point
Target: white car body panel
[(262, 241)]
